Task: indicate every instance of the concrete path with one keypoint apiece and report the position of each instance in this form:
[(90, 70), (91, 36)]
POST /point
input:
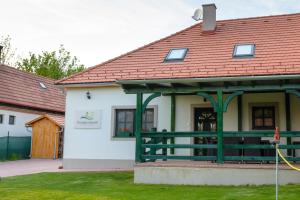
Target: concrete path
[(32, 166)]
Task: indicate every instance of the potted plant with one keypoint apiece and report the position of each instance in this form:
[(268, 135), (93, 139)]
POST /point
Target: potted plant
[(124, 132)]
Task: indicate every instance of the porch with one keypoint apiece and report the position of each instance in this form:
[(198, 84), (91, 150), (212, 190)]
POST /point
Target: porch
[(208, 173), (221, 146)]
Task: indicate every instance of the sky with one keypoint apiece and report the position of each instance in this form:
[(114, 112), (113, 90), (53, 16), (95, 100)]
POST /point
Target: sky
[(98, 30)]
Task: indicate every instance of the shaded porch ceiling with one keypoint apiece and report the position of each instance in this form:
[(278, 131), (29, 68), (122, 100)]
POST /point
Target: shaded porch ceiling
[(226, 84)]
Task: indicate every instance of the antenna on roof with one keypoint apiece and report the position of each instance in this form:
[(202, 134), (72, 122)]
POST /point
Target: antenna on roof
[(1, 48), (198, 14)]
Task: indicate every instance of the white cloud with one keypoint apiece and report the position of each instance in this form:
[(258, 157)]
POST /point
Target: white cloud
[(96, 30)]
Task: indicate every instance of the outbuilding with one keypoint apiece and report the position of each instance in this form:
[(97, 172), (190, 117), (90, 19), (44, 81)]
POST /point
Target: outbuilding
[(47, 136)]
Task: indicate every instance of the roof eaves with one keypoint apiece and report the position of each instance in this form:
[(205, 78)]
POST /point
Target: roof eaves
[(30, 106), (211, 79), (87, 84)]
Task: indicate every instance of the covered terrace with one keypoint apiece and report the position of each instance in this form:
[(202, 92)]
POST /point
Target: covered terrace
[(160, 144)]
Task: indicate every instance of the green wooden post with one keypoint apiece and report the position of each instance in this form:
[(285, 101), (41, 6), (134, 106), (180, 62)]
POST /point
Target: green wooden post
[(220, 126), (164, 149), (288, 121), (240, 113), (173, 119), (138, 127)]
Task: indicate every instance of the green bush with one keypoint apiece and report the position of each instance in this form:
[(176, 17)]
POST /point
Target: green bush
[(14, 156)]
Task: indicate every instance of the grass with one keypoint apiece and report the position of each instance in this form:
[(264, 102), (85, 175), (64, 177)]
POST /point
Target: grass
[(119, 185)]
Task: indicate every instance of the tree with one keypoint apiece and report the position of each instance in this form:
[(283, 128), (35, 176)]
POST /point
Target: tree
[(55, 65), (7, 55)]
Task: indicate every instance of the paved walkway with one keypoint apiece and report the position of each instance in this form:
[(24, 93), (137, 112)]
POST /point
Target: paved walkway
[(32, 166)]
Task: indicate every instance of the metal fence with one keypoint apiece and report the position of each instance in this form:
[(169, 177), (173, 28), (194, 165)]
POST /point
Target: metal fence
[(14, 148)]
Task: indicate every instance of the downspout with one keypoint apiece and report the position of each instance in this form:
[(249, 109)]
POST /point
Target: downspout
[(59, 132)]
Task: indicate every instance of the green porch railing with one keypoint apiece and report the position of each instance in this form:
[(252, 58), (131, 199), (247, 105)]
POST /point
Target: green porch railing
[(155, 145)]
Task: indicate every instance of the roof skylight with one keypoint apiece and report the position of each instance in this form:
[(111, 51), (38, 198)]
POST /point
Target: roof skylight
[(244, 50), (177, 54), (42, 85)]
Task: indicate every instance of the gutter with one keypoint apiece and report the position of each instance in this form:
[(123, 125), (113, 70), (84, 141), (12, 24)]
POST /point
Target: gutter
[(213, 79), (178, 80), (93, 84)]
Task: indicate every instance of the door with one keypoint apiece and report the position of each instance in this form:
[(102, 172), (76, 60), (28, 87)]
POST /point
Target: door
[(44, 139), (205, 120)]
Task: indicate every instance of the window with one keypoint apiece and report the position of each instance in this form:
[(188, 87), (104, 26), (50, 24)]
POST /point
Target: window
[(125, 122), (244, 50), (1, 119), (148, 120), (176, 54), (42, 85), (263, 118), (11, 120)]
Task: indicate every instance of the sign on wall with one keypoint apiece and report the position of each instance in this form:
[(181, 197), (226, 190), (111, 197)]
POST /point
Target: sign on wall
[(88, 119)]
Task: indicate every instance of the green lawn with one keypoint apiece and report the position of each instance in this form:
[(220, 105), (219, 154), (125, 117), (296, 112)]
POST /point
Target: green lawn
[(119, 185)]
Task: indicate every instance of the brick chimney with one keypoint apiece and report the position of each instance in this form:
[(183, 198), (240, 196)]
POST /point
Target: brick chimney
[(209, 17)]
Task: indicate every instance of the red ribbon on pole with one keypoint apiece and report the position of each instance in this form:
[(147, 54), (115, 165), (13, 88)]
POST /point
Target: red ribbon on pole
[(277, 135)]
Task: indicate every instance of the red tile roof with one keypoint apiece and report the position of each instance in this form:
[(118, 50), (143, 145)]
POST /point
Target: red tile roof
[(23, 89), (277, 40), (57, 119)]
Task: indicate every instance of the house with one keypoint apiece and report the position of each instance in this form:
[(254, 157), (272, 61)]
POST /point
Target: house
[(25, 96), (214, 91)]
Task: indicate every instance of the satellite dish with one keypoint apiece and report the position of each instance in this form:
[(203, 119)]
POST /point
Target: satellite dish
[(198, 14)]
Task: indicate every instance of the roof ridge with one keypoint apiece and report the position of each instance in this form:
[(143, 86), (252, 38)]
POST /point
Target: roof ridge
[(258, 17), (28, 73), (127, 53)]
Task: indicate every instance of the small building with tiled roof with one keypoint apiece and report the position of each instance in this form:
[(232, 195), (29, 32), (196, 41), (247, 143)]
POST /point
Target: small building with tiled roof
[(23, 97), (47, 136), (214, 91)]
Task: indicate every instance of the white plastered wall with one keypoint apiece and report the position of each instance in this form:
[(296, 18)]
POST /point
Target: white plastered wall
[(99, 144), (18, 129)]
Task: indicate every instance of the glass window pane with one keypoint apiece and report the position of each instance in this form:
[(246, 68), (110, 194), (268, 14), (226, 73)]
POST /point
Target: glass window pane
[(258, 112), (176, 54), (150, 116), (129, 127), (120, 116), (129, 116), (268, 112), (259, 122), (120, 126), (268, 122), (148, 120), (244, 50), (149, 126), (11, 120)]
